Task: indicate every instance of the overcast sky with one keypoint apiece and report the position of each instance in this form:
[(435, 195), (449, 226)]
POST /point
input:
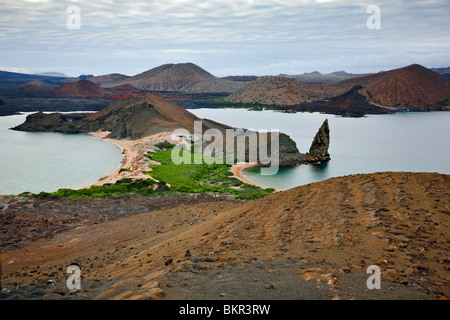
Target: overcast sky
[(225, 37)]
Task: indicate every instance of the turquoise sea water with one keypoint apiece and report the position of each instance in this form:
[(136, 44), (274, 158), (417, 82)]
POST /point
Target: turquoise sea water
[(416, 142), (44, 161)]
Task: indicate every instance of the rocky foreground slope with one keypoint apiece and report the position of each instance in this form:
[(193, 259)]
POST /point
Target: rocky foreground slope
[(314, 241)]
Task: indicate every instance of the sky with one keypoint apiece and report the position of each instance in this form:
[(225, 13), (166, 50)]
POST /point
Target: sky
[(225, 37)]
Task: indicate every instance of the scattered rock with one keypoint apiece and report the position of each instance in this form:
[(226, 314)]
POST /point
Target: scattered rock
[(51, 283), (184, 266), (154, 294), (391, 275), (209, 259)]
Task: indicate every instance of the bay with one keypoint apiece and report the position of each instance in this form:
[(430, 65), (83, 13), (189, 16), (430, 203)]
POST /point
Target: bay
[(45, 161), (409, 141)]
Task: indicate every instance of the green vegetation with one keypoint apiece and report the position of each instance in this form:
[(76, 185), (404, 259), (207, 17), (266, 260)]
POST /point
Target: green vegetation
[(165, 145), (125, 170), (182, 178), (353, 115), (200, 178), (144, 187)]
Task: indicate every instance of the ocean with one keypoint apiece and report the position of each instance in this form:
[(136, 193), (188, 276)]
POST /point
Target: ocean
[(408, 141), (44, 161), (416, 142)]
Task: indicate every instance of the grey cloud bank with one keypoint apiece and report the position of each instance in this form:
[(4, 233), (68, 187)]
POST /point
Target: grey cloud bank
[(225, 37)]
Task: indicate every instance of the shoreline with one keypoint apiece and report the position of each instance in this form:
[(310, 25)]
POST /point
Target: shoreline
[(236, 169), (132, 158), (125, 157)]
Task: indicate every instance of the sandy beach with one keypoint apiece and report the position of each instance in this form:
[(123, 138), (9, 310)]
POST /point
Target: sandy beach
[(133, 151), (237, 172)]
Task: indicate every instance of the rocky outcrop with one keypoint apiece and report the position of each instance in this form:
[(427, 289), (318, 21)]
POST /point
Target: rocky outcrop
[(318, 151), (289, 154)]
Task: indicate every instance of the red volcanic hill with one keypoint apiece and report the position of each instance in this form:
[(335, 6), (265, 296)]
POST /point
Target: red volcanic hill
[(124, 88), (413, 86), (31, 87), (79, 89)]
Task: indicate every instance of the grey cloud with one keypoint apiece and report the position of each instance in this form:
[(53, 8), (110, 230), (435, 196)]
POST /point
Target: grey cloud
[(257, 36)]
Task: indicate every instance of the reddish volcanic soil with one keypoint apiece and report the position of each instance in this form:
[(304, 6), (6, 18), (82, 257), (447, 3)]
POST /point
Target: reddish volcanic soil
[(314, 241), (413, 86), (81, 89), (124, 88), (30, 87)]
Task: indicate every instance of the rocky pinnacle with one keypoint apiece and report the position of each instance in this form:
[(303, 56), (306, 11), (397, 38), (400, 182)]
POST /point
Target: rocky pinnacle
[(319, 147)]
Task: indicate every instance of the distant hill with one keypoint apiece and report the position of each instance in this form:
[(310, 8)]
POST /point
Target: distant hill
[(37, 85), (445, 72), (14, 76), (31, 87), (240, 78), (109, 80), (413, 88), (350, 103), (441, 71), (124, 88), (80, 89), (319, 78), (52, 74), (183, 77), (278, 90)]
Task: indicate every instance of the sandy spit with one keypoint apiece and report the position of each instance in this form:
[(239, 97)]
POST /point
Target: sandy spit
[(134, 160)]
